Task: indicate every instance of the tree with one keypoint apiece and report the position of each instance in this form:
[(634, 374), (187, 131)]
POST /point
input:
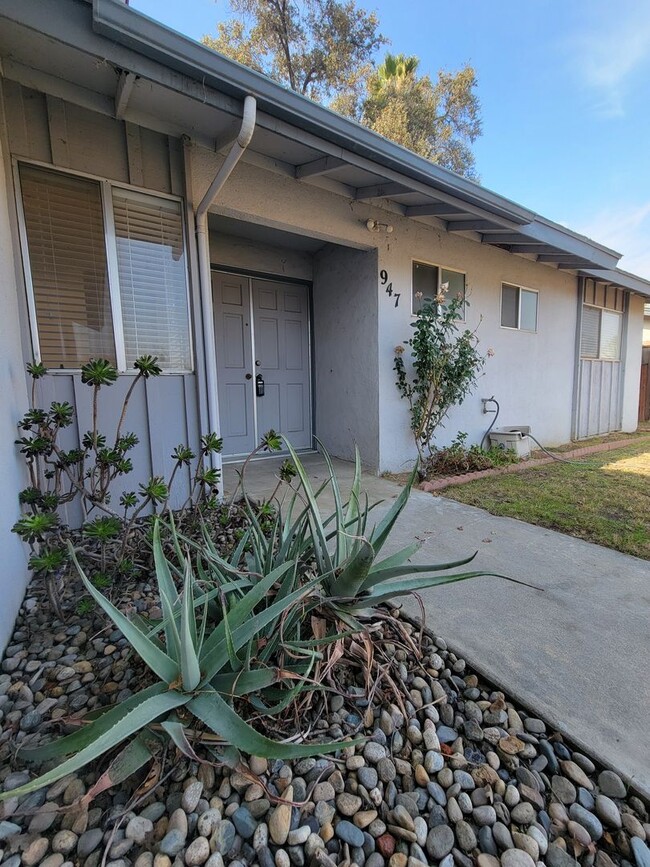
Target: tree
[(319, 48), (438, 121)]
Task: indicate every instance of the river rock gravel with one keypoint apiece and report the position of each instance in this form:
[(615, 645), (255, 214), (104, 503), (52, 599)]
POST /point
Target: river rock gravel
[(452, 772)]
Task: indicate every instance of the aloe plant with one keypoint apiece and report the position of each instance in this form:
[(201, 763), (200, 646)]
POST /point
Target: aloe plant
[(199, 665)]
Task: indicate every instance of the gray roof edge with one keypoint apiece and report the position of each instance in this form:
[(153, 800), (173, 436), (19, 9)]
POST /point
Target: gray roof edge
[(558, 227), (115, 20), (623, 279)]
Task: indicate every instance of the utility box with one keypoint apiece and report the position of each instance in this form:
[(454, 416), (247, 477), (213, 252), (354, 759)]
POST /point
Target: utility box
[(514, 438)]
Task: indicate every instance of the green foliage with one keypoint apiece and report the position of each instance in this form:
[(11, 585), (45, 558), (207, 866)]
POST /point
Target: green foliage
[(319, 48), (92, 471), (48, 560), (98, 372), (445, 367), (248, 632), (457, 459)]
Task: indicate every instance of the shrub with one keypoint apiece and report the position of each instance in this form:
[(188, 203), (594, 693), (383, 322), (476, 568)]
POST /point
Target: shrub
[(253, 632), (456, 459), (446, 364)]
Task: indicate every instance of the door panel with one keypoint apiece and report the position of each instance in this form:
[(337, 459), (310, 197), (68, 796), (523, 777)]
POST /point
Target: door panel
[(281, 316), (232, 327)]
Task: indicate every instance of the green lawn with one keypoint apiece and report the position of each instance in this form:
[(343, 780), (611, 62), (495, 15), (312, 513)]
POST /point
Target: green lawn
[(604, 498)]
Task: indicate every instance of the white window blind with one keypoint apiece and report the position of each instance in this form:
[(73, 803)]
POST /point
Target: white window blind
[(152, 278), (610, 335), (590, 332), (67, 255)]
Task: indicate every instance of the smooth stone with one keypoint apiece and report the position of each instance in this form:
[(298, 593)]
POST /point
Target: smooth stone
[(172, 843), (440, 841), (502, 836), (192, 796), (280, 819), (487, 860), (576, 774), (35, 852), (485, 815), (368, 777), (8, 829), (89, 841), (138, 828), (486, 841), (349, 833), (523, 814), (223, 837), (558, 857), (608, 812), (563, 789), (244, 822), (348, 804), (64, 842), (641, 852), (323, 792), (465, 836), (198, 851), (446, 735), (154, 811), (588, 821), (611, 784), (516, 857)]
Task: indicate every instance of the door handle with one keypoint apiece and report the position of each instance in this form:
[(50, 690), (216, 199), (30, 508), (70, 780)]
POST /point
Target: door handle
[(249, 376)]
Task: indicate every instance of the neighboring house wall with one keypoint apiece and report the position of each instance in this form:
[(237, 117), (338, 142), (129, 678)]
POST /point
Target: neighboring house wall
[(13, 572), (345, 353), (632, 364), (165, 411)]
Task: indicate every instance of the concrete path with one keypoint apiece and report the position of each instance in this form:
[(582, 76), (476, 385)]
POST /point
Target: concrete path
[(577, 651)]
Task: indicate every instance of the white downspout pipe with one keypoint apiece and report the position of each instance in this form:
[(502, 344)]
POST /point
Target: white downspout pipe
[(234, 155)]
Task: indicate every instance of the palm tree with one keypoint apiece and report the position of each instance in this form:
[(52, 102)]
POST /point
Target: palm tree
[(396, 70)]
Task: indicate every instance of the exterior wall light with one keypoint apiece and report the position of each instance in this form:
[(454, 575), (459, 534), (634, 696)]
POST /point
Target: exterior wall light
[(375, 226)]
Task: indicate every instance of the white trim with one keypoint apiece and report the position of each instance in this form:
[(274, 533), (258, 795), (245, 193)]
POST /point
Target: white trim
[(440, 268), (27, 270), (518, 326), (106, 187), (110, 242)]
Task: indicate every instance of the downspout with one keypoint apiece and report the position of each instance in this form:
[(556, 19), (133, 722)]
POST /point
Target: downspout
[(234, 155)]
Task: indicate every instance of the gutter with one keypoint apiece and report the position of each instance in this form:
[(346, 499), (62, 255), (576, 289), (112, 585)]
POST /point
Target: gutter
[(203, 247), (123, 25)]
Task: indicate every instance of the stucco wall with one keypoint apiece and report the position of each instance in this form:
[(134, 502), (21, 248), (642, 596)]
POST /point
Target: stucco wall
[(254, 256), (531, 374), (13, 571), (345, 353)]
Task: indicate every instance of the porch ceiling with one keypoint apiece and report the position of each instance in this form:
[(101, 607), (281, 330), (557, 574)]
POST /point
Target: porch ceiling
[(111, 59)]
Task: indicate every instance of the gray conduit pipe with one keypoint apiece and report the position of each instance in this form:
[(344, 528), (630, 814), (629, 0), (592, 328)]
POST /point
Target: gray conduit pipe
[(234, 155)]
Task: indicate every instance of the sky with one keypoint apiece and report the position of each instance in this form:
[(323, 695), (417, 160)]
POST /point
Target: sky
[(564, 89)]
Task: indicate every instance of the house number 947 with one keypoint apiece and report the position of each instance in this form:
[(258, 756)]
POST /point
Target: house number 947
[(388, 286)]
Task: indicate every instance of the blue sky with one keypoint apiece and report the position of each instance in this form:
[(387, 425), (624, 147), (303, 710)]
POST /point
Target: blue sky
[(565, 99)]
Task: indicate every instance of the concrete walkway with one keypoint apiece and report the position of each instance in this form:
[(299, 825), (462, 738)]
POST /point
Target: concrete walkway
[(577, 651)]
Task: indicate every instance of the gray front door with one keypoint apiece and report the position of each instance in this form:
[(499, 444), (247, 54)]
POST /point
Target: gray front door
[(263, 361)]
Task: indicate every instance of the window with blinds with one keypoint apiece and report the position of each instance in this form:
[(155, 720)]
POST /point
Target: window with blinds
[(151, 268), (67, 255), (600, 333), (79, 311)]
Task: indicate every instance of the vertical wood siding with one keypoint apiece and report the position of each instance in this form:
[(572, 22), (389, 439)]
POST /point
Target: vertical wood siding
[(163, 412)]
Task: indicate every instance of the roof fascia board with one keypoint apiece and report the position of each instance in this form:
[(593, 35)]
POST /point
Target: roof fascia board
[(568, 242), (621, 279), (119, 22)]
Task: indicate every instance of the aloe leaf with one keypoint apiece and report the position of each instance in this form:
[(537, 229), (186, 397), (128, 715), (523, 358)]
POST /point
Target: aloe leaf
[(349, 580), (167, 590), (235, 662), (382, 531), (353, 502), (214, 661), (408, 585), (85, 735), (146, 712), (243, 682), (129, 760), (176, 731), (219, 716), (153, 656), (380, 576), (190, 670), (397, 558), (316, 522), (339, 517)]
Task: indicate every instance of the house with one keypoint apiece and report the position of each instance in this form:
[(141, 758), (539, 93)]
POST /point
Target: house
[(157, 197)]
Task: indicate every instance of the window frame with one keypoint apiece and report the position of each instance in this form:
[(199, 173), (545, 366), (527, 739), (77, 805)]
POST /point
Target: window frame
[(518, 327), (110, 245), (440, 268), (621, 322)]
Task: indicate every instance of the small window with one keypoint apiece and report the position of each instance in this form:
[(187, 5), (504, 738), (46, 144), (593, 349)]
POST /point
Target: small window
[(429, 281), (600, 335), (83, 309), (518, 308)]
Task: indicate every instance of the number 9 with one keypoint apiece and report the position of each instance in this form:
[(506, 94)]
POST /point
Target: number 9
[(383, 275)]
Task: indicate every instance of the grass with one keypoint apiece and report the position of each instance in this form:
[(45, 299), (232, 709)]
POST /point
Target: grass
[(604, 498)]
